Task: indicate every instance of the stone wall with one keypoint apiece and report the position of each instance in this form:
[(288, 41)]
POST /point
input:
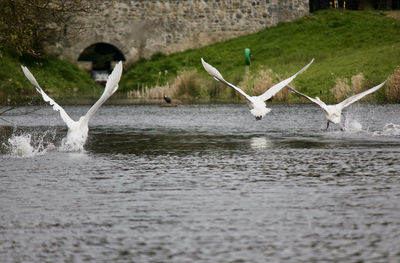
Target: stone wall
[(139, 28)]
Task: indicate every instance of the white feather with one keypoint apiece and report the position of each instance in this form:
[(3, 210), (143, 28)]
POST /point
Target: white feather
[(333, 112), (257, 103), (78, 130), (277, 87), (46, 98)]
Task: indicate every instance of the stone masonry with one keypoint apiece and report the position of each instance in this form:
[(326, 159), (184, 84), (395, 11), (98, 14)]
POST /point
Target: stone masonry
[(140, 28)]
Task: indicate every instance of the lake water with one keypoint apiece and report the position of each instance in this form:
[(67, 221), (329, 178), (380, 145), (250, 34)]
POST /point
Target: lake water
[(202, 183)]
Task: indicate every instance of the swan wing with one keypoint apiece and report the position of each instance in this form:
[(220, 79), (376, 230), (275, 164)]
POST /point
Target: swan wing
[(316, 101), (359, 96), (277, 87), (215, 73), (111, 87), (46, 98)]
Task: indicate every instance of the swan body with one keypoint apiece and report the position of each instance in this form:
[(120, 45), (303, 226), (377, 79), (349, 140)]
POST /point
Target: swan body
[(257, 104), (78, 130), (333, 113), (76, 135), (259, 109)]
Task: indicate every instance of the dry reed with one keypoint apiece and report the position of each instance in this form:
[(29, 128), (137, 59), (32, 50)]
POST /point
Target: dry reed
[(156, 92), (357, 83), (342, 88), (393, 87), (262, 81), (188, 84), (257, 84)]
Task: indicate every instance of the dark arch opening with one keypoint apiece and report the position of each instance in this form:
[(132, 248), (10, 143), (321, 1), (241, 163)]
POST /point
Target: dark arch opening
[(99, 59)]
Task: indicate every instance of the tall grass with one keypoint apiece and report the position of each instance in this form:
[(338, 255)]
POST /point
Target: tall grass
[(188, 85), (260, 81), (393, 87), (156, 92), (342, 89)]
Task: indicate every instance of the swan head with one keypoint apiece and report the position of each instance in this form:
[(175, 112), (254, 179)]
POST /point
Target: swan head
[(259, 110)]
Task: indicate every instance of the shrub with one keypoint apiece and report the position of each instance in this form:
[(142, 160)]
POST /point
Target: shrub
[(262, 82), (342, 89), (393, 86), (187, 84), (357, 83)]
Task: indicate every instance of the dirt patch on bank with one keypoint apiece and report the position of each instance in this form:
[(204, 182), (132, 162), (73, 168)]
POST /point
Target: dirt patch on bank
[(394, 14)]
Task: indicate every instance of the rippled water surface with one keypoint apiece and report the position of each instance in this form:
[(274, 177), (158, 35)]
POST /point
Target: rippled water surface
[(202, 183)]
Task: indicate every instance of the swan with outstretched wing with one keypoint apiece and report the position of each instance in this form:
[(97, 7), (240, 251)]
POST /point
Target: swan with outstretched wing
[(78, 130), (333, 112), (257, 104)]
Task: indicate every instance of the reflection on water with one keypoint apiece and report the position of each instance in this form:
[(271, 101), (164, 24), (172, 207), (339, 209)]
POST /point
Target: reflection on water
[(202, 183), (260, 143)]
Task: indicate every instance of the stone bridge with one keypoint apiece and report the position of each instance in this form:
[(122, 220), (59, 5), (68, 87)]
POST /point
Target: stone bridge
[(132, 29)]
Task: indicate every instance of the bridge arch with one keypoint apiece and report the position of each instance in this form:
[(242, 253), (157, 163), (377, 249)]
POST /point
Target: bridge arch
[(100, 55), (99, 59)]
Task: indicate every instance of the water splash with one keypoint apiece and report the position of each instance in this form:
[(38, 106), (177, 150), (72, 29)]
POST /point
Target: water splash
[(21, 146), (389, 130), (352, 125), (71, 146), (30, 144)]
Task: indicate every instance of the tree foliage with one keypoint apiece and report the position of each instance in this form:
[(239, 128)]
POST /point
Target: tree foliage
[(26, 26)]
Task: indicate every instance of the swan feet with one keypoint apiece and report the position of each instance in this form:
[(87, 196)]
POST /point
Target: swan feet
[(327, 125)]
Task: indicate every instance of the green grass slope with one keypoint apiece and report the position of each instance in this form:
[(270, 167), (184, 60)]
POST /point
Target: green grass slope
[(62, 80), (344, 43)]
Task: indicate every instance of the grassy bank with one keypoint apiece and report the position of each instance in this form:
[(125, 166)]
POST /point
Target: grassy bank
[(344, 44), (61, 80), (353, 50)]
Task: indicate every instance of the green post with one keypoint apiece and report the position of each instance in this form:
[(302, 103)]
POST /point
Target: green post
[(247, 61)]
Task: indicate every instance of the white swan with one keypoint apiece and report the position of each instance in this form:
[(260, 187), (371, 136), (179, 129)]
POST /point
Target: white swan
[(333, 112), (78, 130), (256, 103)]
